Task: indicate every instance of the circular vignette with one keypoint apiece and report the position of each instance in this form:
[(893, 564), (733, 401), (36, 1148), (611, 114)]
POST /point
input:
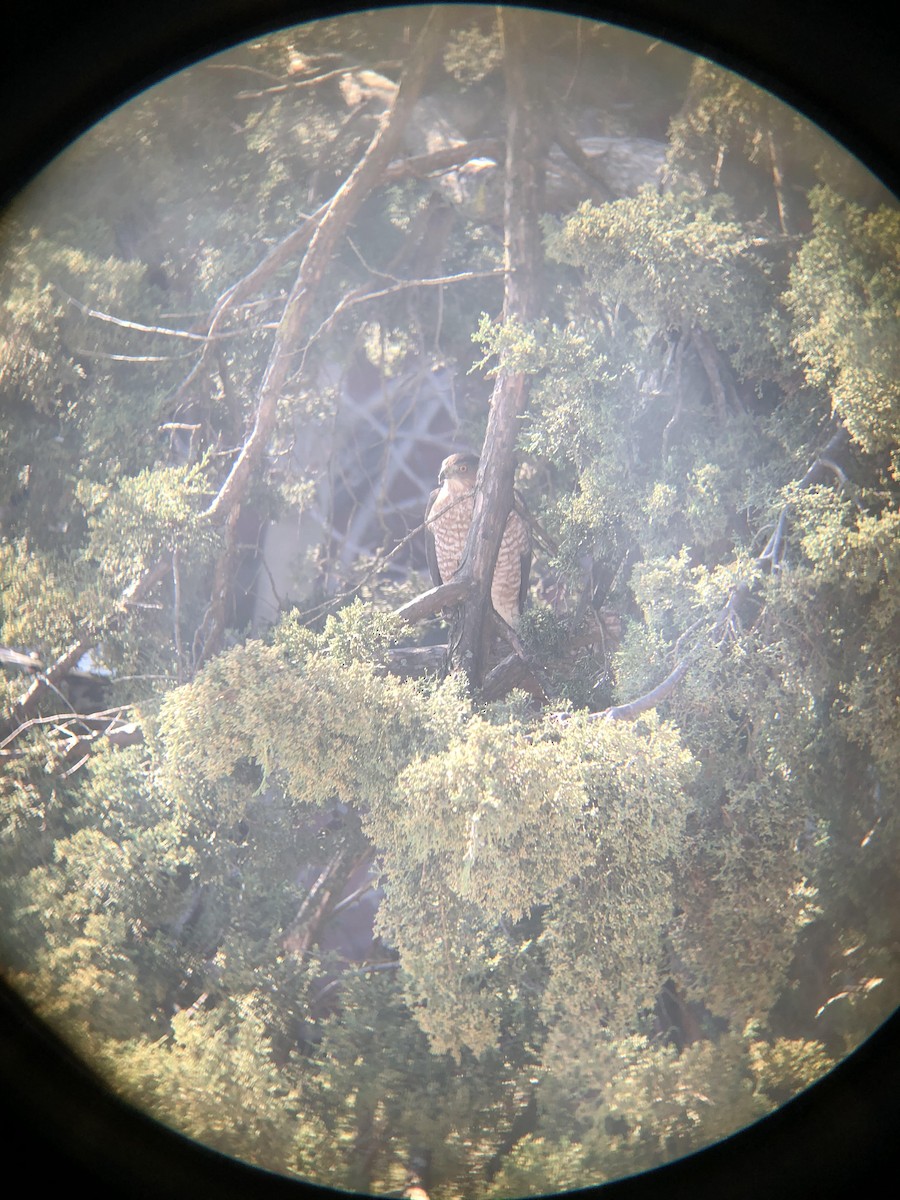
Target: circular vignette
[(61, 1122)]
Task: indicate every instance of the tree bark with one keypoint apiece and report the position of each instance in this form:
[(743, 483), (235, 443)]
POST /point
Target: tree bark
[(471, 635)]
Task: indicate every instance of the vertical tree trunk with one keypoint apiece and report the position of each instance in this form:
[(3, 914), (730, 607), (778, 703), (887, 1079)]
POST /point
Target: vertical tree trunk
[(470, 637)]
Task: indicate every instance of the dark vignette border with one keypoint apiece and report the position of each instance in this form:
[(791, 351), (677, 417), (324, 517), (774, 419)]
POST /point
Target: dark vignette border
[(67, 67)]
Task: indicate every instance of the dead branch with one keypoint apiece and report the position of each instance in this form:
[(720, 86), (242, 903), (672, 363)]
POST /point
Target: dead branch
[(287, 356), (571, 147), (90, 721), (628, 712), (294, 84), (46, 681), (420, 166), (338, 213), (278, 256), (361, 296), (74, 749), (323, 898), (97, 315), (445, 595)]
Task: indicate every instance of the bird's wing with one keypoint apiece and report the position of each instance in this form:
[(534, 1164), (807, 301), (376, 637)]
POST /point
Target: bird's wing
[(525, 578), (524, 514), (430, 548)]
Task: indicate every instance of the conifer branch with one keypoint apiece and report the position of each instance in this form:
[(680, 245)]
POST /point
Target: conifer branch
[(770, 556), (46, 681)]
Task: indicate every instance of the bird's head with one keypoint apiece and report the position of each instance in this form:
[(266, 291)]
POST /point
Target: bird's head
[(458, 472)]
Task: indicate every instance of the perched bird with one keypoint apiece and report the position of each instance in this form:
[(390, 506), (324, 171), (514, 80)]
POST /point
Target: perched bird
[(448, 517)]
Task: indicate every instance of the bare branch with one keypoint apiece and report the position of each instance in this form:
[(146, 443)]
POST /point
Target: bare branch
[(107, 725), (628, 712), (313, 269), (98, 315), (48, 680), (570, 145), (131, 358), (359, 296), (422, 165), (294, 84), (277, 257), (445, 595), (91, 721)]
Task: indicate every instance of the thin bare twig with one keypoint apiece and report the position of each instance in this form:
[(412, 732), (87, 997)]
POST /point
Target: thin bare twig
[(61, 719), (358, 296), (98, 315)]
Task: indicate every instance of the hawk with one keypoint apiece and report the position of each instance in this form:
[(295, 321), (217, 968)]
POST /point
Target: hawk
[(448, 517)]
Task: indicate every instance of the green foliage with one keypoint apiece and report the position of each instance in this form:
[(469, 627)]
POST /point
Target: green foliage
[(214, 1079), (133, 525), (471, 54), (675, 262), (36, 599), (330, 729), (603, 943), (845, 297), (648, 1104)]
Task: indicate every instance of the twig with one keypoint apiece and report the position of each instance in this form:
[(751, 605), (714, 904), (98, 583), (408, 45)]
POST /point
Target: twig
[(295, 83), (98, 315), (131, 358), (60, 719), (351, 299)]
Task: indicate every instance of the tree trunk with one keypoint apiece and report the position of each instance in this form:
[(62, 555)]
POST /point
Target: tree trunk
[(471, 635)]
